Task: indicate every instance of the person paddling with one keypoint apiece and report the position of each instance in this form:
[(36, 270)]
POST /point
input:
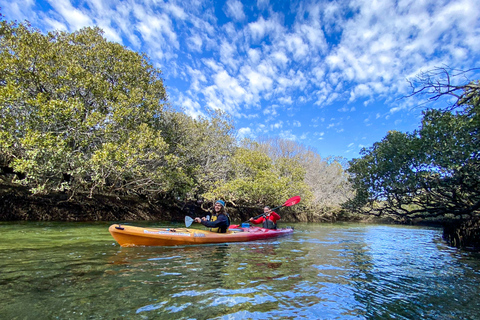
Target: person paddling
[(219, 221), (269, 218)]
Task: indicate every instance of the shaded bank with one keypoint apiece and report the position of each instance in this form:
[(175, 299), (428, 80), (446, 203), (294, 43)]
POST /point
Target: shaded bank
[(16, 203), (463, 234)]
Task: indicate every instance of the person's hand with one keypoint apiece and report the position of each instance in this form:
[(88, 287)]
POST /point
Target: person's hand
[(251, 219), (204, 219), (197, 220)]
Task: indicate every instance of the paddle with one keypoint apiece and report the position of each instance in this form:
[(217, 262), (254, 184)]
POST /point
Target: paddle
[(189, 220), (290, 202)]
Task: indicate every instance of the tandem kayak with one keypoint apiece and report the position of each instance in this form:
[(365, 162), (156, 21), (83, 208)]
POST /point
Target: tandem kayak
[(128, 236)]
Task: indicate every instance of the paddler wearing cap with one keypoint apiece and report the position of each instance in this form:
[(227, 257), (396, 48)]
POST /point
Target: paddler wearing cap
[(219, 221)]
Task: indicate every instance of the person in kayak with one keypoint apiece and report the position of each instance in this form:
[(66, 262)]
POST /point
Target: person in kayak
[(268, 219), (219, 221)]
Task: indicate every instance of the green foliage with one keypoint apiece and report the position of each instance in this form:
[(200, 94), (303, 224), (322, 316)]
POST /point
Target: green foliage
[(431, 172), (202, 146), (256, 180), (79, 112)]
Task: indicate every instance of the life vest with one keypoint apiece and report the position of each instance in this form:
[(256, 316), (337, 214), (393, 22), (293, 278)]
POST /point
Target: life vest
[(222, 229), (269, 224)]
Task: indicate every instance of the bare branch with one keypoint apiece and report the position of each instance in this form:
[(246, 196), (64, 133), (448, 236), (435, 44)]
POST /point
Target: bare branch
[(444, 81)]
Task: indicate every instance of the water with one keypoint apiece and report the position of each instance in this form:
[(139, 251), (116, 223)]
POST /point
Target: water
[(340, 271)]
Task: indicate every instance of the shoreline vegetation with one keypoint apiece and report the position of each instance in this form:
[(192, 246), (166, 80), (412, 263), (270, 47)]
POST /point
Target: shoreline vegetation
[(87, 133)]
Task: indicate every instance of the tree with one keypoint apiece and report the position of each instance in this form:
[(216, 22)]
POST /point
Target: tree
[(203, 147), (432, 172), (256, 180), (325, 177), (80, 113), (327, 180)]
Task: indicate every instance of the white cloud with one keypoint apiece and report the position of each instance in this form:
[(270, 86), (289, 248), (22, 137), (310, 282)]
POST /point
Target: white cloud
[(74, 17), (280, 58), (254, 55), (296, 47), (277, 125), (55, 24), (261, 28), (245, 133), (227, 93), (196, 78), (18, 10), (175, 11), (234, 10), (156, 29), (287, 100), (288, 135), (191, 107), (386, 38), (228, 55), (195, 43), (396, 109), (257, 81), (319, 135)]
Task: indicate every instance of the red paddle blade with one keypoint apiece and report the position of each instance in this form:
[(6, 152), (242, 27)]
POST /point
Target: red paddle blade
[(292, 201)]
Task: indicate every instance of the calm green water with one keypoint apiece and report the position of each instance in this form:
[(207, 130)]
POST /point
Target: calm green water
[(344, 271)]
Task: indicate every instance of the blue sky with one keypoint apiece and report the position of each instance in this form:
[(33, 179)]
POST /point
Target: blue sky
[(328, 74)]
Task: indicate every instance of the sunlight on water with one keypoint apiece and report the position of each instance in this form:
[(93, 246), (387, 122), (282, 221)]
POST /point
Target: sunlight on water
[(341, 271)]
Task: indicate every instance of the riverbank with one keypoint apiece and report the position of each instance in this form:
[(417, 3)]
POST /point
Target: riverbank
[(16, 203)]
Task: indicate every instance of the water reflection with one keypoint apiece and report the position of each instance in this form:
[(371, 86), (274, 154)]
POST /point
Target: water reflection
[(75, 271)]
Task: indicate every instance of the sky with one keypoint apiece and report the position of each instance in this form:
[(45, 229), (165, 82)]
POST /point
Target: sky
[(330, 75)]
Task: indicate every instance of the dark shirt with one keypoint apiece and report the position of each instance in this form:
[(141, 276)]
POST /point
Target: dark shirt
[(222, 223)]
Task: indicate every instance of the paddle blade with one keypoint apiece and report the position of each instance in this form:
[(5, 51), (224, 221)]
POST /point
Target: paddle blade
[(292, 201), (188, 221)]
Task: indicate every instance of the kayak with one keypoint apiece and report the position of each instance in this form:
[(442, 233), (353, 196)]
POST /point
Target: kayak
[(129, 236)]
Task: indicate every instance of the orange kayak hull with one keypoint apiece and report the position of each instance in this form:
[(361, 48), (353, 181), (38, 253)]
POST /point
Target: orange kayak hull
[(128, 236)]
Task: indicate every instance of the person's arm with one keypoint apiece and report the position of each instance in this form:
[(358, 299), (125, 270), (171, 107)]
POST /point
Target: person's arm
[(259, 220), (220, 222)]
